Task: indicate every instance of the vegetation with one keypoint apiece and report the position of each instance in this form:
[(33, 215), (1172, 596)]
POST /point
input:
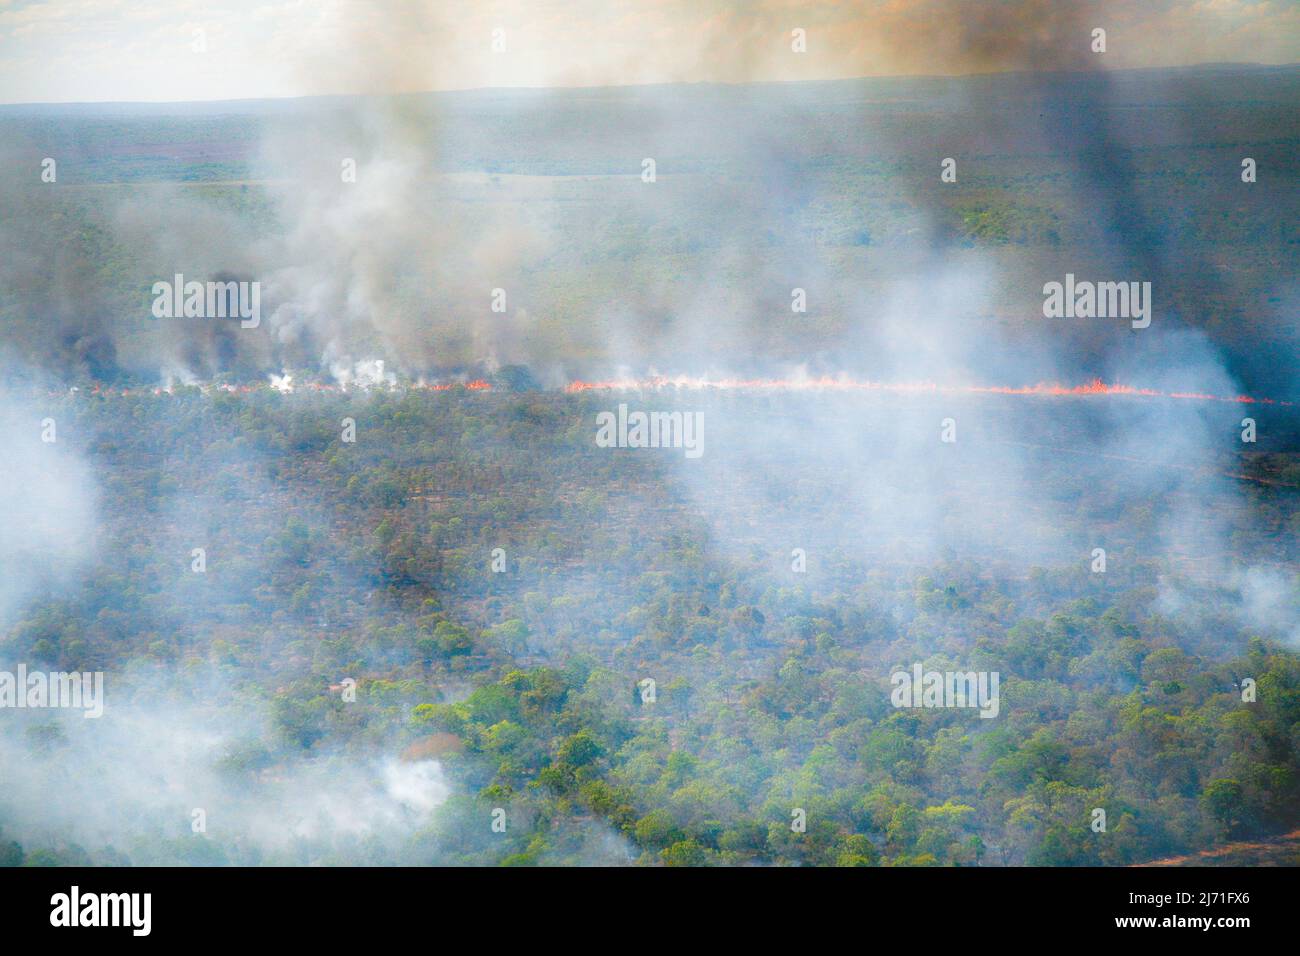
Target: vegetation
[(328, 560)]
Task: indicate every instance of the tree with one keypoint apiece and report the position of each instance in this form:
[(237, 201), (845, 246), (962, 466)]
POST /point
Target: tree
[(685, 853), (657, 830), (1225, 801), (580, 749)]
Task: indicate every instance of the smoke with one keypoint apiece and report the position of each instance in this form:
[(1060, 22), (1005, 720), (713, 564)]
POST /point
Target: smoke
[(1258, 598), (452, 233), (398, 235), (379, 261), (1270, 600), (50, 531), (168, 743), (167, 782)]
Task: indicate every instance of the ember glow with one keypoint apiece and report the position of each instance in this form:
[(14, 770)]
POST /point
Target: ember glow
[(843, 384)]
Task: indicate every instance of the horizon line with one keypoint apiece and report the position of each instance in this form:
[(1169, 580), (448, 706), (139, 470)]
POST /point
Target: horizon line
[(1207, 65)]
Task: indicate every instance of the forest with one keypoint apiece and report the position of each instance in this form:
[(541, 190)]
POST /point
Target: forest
[(366, 585), (374, 561)]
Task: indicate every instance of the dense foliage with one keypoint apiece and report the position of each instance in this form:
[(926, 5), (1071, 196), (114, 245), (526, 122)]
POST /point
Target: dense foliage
[(373, 561)]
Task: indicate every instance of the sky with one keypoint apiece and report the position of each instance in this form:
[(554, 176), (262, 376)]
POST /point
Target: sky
[(178, 50)]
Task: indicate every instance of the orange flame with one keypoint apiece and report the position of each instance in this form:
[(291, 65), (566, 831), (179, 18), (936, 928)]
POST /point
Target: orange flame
[(826, 383)]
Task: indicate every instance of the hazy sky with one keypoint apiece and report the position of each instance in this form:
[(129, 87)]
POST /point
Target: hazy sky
[(77, 50)]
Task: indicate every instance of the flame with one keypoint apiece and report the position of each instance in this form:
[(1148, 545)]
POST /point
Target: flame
[(827, 383), (478, 385)]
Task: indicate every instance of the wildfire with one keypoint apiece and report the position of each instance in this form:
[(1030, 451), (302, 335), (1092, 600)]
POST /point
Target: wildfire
[(285, 384), (840, 384), (478, 385)]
